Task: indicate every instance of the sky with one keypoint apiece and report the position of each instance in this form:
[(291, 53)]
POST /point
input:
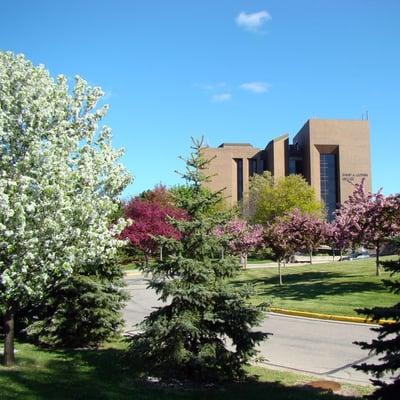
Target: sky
[(228, 70)]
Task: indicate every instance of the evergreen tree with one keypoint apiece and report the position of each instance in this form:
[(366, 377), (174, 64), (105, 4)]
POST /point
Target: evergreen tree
[(205, 330), (387, 345), (82, 310)]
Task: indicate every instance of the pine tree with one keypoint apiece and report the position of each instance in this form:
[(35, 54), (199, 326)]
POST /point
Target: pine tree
[(387, 344), (205, 331), (81, 310)]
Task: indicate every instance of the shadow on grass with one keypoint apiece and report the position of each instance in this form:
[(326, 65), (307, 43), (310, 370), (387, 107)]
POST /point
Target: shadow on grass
[(310, 285), (104, 374)]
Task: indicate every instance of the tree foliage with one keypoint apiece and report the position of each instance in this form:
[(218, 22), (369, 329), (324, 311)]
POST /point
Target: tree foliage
[(59, 183), (160, 195), (205, 331), (81, 310), (370, 218), (270, 198), (280, 239), (150, 214), (339, 233), (180, 192), (241, 237), (305, 231), (387, 344)]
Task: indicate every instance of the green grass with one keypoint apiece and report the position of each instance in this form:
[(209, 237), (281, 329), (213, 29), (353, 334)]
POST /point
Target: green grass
[(103, 374), (331, 288), (129, 267)]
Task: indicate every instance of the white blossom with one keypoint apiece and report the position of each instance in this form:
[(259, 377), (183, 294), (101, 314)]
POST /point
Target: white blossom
[(59, 179)]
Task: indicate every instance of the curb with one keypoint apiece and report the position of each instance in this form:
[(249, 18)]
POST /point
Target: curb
[(329, 317)]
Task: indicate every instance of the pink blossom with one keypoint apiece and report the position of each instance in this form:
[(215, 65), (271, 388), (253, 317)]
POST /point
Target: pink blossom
[(150, 218), (243, 237)]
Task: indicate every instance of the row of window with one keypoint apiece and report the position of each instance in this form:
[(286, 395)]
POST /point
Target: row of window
[(328, 174), (329, 182), (255, 166)]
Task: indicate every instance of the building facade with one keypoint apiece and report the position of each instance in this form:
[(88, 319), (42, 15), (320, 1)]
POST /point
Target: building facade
[(332, 155)]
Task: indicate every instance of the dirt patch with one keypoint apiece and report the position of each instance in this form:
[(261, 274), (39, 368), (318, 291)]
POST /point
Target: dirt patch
[(325, 385)]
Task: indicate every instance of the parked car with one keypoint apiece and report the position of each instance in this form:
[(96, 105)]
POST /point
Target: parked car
[(358, 255)]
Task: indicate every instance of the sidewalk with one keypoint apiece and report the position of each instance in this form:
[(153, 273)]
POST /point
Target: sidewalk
[(316, 260)]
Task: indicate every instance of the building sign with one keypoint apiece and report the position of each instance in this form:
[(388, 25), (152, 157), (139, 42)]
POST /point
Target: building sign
[(349, 177)]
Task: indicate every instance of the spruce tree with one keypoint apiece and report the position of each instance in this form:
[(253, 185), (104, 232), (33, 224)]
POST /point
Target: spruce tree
[(83, 309), (387, 344), (204, 332)]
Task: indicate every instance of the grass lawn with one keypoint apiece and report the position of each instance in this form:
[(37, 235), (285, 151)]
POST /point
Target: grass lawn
[(331, 288), (129, 267), (103, 374)]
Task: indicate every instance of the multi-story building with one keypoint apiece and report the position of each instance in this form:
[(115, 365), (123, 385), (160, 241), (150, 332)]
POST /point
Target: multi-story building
[(332, 155)]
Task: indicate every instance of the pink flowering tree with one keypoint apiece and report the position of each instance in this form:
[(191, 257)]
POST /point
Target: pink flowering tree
[(241, 237), (280, 240), (306, 231), (338, 234), (372, 218), (150, 219)]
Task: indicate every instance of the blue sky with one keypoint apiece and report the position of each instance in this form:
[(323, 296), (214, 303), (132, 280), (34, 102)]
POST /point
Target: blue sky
[(233, 71)]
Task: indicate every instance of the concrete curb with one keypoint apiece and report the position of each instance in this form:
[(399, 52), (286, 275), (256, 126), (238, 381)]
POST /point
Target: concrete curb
[(341, 318)]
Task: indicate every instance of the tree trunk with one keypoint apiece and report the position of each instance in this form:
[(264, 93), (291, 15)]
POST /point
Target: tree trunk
[(333, 254), (280, 272), (9, 358), (377, 259), (161, 253), (310, 256), (222, 254), (243, 260), (341, 254)]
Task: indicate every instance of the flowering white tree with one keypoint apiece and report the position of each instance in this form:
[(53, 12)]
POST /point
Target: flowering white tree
[(59, 183)]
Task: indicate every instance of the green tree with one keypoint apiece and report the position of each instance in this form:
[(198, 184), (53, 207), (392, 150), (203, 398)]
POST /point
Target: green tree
[(257, 184), (270, 198), (205, 332), (178, 192), (82, 310), (387, 345), (60, 180)]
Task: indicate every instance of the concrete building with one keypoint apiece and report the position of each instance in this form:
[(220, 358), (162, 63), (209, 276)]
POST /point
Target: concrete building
[(332, 155)]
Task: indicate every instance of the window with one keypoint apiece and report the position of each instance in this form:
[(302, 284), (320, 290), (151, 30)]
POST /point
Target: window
[(263, 165), (252, 166), (292, 166), (239, 178), (329, 184), (295, 166)]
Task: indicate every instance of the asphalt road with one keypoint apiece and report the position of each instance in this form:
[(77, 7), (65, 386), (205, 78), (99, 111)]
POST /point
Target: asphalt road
[(323, 348)]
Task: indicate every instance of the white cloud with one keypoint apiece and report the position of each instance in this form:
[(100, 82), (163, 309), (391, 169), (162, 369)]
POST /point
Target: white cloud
[(253, 21), (256, 87), (221, 97)]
